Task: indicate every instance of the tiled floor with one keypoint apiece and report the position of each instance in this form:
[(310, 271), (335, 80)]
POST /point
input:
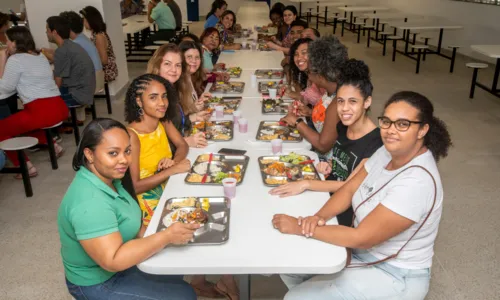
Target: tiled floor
[(466, 264)]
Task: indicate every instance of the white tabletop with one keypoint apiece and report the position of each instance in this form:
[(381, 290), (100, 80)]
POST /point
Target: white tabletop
[(362, 8), (135, 24), (426, 25), (488, 50), (392, 16), (252, 59), (331, 4)]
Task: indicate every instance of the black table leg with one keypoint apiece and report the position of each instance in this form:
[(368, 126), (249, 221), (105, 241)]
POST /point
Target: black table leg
[(376, 29), (440, 40), (495, 77), (352, 15), (129, 41), (300, 10), (406, 36), (52, 150), (326, 14), (25, 173), (245, 286)]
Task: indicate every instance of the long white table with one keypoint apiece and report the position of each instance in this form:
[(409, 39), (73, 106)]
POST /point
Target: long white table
[(492, 51), (254, 246)]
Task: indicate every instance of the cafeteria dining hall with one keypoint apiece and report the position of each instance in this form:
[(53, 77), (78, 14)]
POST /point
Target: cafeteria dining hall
[(249, 149)]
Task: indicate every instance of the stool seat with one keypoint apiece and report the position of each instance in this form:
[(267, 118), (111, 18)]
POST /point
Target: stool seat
[(152, 47), (368, 27), (55, 125), (454, 46), (18, 143), (75, 106), (359, 23), (420, 46), (161, 42), (341, 19), (386, 33), (394, 37), (473, 66)]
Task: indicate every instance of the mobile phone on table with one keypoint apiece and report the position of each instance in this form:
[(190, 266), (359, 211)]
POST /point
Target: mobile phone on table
[(232, 151)]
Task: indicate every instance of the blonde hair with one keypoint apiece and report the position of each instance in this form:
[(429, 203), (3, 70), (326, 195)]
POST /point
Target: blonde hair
[(182, 86)]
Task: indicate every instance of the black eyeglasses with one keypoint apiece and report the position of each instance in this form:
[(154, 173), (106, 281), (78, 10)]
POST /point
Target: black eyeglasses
[(400, 124)]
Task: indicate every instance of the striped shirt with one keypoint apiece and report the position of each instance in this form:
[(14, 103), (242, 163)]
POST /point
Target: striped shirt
[(30, 75)]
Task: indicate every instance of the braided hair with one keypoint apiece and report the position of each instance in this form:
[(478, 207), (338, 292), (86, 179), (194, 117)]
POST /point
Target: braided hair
[(137, 88)]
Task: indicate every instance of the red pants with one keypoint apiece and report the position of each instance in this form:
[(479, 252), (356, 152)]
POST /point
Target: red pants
[(37, 114)]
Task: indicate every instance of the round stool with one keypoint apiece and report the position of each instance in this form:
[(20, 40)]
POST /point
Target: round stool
[(50, 143), (18, 144), (476, 67), (160, 42)]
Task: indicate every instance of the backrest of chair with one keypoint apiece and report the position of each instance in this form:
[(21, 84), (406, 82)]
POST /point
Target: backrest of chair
[(99, 81)]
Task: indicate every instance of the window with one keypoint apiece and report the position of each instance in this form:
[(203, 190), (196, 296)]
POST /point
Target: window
[(491, 2)]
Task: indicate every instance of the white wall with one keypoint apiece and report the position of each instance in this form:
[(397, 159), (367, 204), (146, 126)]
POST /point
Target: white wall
[(481, 22), (6, 4), (205, 5), (110, 9)]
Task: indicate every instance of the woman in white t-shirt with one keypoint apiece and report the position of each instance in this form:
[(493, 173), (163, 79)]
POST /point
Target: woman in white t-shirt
[(397, 198)]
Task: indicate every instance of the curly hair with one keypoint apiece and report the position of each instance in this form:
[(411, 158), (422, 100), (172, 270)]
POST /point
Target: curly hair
[(357, 74), (327, 55), (198, 77), (137, 88), (437, 139), (182, 86), (298, 76), (228, 12)]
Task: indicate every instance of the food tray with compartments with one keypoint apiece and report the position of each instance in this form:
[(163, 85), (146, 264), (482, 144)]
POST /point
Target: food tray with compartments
[(233, 87), (212, 168), (212, 213), (276, 106), (217, 131), (234, 72), (264, 86), (230, 104), (270, 130), (269, 74), (278, 170)]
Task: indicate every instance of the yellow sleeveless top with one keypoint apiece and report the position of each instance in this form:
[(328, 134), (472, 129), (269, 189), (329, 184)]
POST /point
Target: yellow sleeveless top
[(154, 147)]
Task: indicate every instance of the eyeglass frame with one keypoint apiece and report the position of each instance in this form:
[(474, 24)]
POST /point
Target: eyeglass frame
[(394, 122)]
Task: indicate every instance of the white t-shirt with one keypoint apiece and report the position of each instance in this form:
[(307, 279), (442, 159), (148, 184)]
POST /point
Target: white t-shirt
[(410, 195)]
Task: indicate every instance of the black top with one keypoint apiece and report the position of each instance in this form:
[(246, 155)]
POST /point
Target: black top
[(347, 154), (176, 11)]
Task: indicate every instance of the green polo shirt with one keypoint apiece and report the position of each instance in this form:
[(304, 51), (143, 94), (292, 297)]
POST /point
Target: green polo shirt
[(92, 209), (163, 16)]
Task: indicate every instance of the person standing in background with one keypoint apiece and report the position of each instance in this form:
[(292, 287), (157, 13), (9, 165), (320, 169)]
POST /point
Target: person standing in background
[(161, 14)]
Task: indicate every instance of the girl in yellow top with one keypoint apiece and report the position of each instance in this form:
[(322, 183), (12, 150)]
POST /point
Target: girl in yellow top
[(148, 113)]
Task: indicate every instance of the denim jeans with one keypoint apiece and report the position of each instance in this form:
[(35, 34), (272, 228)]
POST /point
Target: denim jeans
[(132, 284), (2, 159), (382, 281), (67, 97)]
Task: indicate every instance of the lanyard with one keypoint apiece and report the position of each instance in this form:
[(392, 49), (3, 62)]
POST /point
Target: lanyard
[(288, 30), (183, 119)]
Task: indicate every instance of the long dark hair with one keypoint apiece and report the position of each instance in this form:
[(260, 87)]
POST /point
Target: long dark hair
[(298, 76), (198, 77), (4, 19), (228, 12), (23, 39), (437, 139), (137, 87), (91, 137), (215, 5), (291, 8), (94, 18)]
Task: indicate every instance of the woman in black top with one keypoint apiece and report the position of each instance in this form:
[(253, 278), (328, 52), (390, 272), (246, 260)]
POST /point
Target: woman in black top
[(358, 137)]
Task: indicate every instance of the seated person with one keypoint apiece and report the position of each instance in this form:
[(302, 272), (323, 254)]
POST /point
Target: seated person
[(189, 37), (310, 33), (161, 14), (176, 10), (210, 41), (100, 226), (326, 58), (284, 39), (153, 162), (218, 7), (392, 243), (358, 137), (25, 70), (226, 28), (296, 29), (74, 71)]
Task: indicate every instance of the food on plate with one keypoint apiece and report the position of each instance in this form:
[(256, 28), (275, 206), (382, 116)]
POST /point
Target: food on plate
[(202, 168), (206, 157), (267, 161), (293, 158), (236, 71), (215, 99), (307, 168), (183, 215), (309, 177), (269, 137), (275, 181), (188, 202), (197, 178), (280, 169), (205, 204), (271, 83)]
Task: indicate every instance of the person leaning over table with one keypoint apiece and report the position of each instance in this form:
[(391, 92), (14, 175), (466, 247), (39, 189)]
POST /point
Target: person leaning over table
[(25, 71), (100, 229), (397, 198), (167, 62), (226, 27), (148, 113), (218, 7), (325, 60), (358, 137), (161, 14), (93, 21)]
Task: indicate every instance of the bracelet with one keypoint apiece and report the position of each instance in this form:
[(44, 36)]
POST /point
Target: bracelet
[(300, 120)]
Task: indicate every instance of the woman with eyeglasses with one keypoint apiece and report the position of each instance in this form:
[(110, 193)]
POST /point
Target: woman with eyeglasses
[(358, 137), (326, 57), (397, 199)]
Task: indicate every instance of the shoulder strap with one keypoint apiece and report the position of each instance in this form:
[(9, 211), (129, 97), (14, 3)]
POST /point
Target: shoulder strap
[(413, 235)]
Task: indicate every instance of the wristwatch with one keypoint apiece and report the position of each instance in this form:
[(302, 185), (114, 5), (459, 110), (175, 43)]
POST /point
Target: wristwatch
[(298, 121)]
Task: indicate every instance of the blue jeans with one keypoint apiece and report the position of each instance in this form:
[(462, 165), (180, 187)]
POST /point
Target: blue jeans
[(382, 281), (132, 284), (67, 97), (2, 159)]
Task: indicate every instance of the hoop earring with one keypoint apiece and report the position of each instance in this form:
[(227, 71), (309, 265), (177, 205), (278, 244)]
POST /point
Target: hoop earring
[(140, 111)]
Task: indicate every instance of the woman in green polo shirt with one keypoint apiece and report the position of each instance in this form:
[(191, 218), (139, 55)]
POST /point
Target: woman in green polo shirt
[(100, 225)]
